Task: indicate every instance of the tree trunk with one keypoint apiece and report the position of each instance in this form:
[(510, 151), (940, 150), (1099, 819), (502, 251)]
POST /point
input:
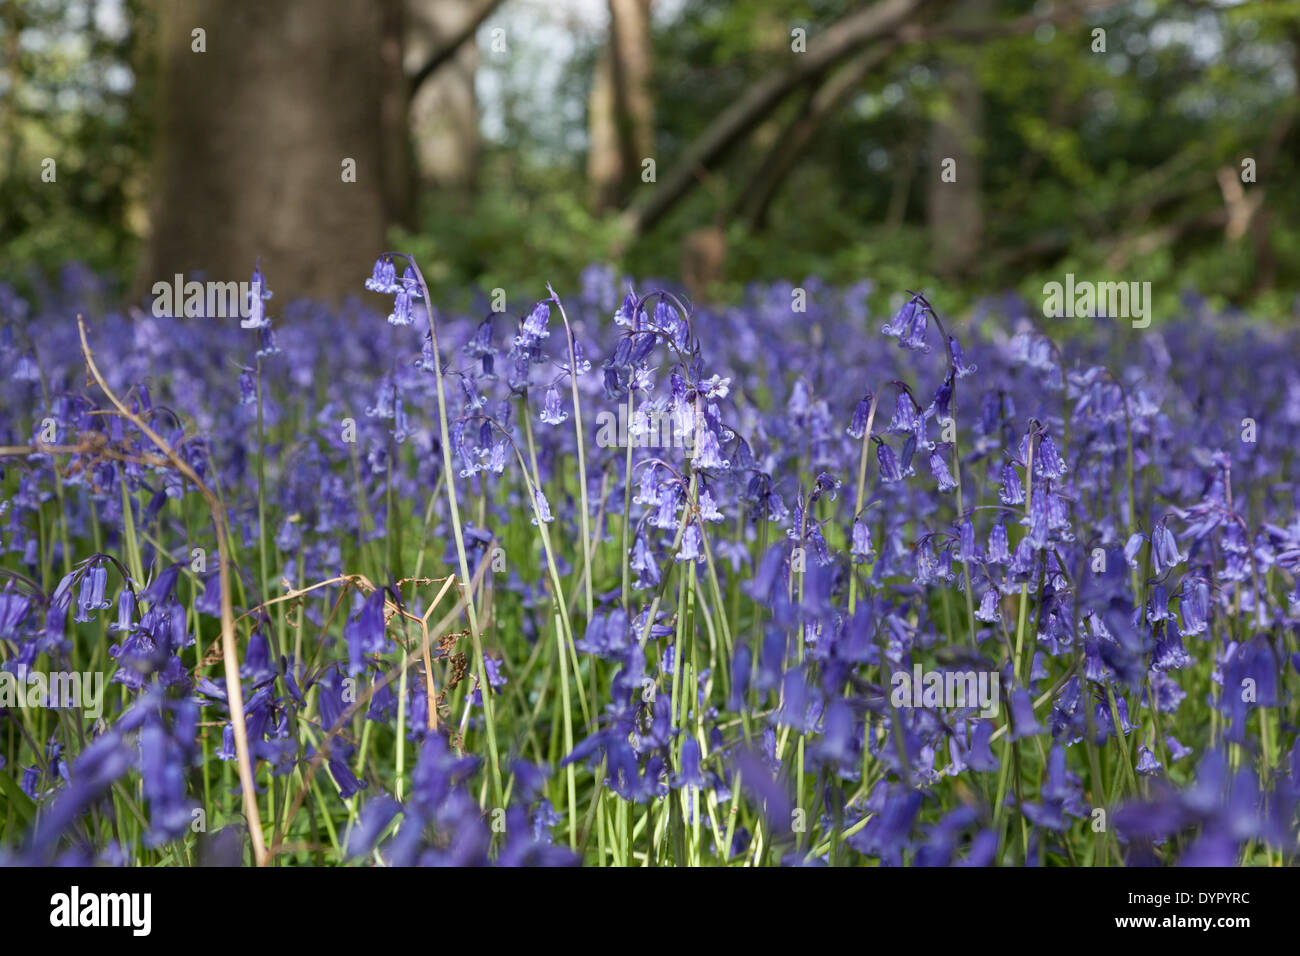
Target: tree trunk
[(444, 109), (954, 210), (621, 107), (253, 135)]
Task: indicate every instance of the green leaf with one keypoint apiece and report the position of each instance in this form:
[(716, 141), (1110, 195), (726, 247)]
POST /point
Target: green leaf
[(21, 802)]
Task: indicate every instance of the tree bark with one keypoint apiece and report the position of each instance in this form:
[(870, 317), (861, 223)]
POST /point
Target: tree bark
[(444, 107), (450, 43), (954, 209), (252, 138), (621, 109)]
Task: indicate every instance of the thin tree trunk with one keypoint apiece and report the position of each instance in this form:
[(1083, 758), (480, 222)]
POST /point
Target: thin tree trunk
[(622, 106), (954, 209), (444, 107)]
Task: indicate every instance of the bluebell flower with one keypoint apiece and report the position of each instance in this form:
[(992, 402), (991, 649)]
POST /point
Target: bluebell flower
[(125, 613), (689, 775), (889, 468), (1131, 548), (401, 314), (384, 277), (939, 469), (93, 584), (1194, 604), (258, 295), (861, 412), (1013, 492), (998, 547), (960, 366), (1176, 750), (861, 547), (1023, 722), (552, 413), (364, 631), (543, 507), (1164, 549), (374, 819), (1147, 764), (707, 453), (691, 545)]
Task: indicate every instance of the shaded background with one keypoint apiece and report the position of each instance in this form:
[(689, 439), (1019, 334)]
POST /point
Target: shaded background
[(506, 143)]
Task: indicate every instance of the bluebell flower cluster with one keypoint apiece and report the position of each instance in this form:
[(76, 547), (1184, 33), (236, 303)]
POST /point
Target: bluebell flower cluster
[(685, 644)]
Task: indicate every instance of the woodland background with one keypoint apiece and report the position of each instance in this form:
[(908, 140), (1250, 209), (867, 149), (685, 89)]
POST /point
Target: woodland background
[(505, 141)]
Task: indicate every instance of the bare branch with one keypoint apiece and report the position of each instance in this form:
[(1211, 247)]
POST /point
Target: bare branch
[(453, 43), (824, 52)]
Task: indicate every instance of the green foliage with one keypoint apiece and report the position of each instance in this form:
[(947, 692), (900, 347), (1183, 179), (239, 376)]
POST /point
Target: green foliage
[(72, 94), (1104, 163)]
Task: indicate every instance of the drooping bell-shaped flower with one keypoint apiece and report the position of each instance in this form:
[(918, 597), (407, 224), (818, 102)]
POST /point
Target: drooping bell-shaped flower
[(125, 612), (552, 413), (364, 631), (401, 314), (939, 469), (707, 453), (915, 338), (643, 563), (543, 508), (967, 550), (384, 277), (861, 549), (1037, 520), (1195, 605), (1047, 460), (1023, 722), (861, 412), (93, 584), (691, 549), (890, 470), (1164, 550), (258, 294), (1013, 492), (536, 325), (958, 360), (998, 551), (897, 326)]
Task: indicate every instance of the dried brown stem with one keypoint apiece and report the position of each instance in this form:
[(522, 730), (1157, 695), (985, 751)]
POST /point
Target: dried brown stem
[(229, 639)]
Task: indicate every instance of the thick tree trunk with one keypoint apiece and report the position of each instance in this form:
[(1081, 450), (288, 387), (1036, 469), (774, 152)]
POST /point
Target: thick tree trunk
[(253, 135)]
